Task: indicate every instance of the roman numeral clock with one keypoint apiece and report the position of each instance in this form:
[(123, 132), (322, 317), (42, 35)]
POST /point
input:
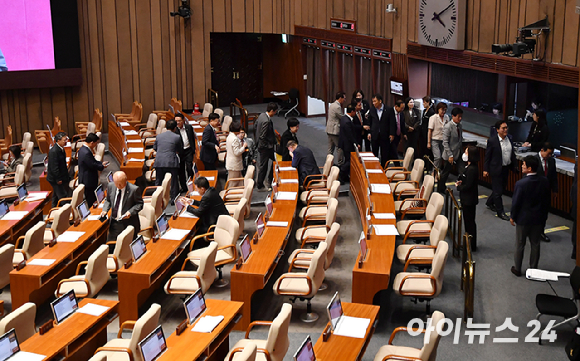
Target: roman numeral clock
[(442, 23)]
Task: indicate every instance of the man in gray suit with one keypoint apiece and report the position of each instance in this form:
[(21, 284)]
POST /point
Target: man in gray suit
[(126, 202), (264, 129), (333, 123), (167, 147), (452, 139)]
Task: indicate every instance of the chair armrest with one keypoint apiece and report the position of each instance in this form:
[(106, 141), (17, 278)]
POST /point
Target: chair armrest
[(116, 349), (405, 172), (394, 168), (256, 323), (308, 181), (175, 276), (313, 202), (63, 201), (415, 183), (400, 329), (418, 276), (233, 247), (311, 227), (61, 282), (313, 217), (293, 265), (394, 161), (23, 256), (240, 349), (417, 222), (419, 246), (312, 239), (129, 325), (187, 260), (18, 242), (407, 192), (81, 263), (417, 260), (150, 188), (232, 180), (150, 228), (400, 358), (198, 237), (411, 209), (114, 260), (294, 275), (409, 232)]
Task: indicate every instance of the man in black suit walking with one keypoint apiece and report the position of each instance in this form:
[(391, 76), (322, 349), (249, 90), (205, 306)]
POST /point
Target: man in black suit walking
[(397, 124), (210, 146), (529, 212), (209, 208), (303, 160), (57, 170), (168, 146), (500, 158), (125, 202), (266, 140), (548, 169), (89, 167), (380, 129), (185, 131), (347, 141)]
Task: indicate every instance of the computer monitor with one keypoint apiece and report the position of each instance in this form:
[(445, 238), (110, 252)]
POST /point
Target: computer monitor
[(22, 192), (8, 345), (334, 310), (110, 177), (362, 242), (83, 210), (245, 248), (153, 345), (4, 208), (194, 306), (100, 193), (179, 207), (64, 306), (162, 225), (260, 224), (274, 187), (138, 248), (269, 206), (306, 351)]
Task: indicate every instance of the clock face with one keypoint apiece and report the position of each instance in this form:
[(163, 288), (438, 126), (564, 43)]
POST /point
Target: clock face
[(440, 23)]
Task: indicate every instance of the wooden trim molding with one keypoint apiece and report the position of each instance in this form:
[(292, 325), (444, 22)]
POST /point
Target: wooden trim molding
[(371, 42)]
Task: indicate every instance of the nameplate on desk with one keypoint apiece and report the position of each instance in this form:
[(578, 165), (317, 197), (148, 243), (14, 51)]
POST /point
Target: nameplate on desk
[(181, 327), (128, 264), (21, 265), (52, 243), (46, 327)]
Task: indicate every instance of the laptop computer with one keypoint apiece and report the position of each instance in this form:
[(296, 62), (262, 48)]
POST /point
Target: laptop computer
[(4, 208), (362, 242), (260, 225), (22, 192), (110, 177), (153, 345), (162, 225), (83, 210), (344, 325), (245, 248), (179, 207), (305, 351), (64, 306), (138, 248), (9, 346), (194, 306), (190, 186), (100, 194)]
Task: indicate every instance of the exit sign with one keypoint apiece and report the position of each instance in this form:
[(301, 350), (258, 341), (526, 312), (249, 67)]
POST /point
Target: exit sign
[(345, 25)]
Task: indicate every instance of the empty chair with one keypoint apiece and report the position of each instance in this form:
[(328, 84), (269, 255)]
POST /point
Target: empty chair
[(29, 148), (95, 277), (21, 320), (234, 191), (60, 223), (317, 213), (166, 186), (27, 163), (10, 184), (30, 244), (147, 129), (232, 202), (147, 222), (430, 343), (156, 200), (207, 110), (220, 112), (414, 180), (304, 285), (43, 140), (319, 183), (320, 180), (316, 233), (188, 282), (321, 195), (423, 254), (6, 255), (418, 203), (423, 286), (114, 349), (396, 173), (122, 252), (273, 348), (421, 228), (552, 305), (246, 353), (74, 201), (239, 214)]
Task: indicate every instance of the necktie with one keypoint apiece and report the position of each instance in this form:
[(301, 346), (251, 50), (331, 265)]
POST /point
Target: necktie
[(116, 205), (458, 135), (398, 124), (545, 167)]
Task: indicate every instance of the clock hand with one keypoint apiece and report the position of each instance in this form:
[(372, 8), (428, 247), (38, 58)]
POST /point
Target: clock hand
[(436, 16), (442, 11)]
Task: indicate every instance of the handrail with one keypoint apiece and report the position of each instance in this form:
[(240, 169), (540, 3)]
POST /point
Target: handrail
[(468, 278), (211, 92), (435, 168), (453, 212)]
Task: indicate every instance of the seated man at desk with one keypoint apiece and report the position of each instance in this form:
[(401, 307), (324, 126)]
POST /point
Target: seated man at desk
[(210, 207), (303, 160), (126, 202)]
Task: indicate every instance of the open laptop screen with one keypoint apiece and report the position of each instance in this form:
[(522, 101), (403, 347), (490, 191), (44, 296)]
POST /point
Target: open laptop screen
[(110, 177), (260, 225), (64, 306), (334, 310), (269, 205), (8, 345), (245, 248), (190, 187), (178, 205), (83, 209), (138, 248), (22, 192), (194, 306), (3, 208), (306, 351), (363, 246), (153, 345), (100, 193), (162, 225)]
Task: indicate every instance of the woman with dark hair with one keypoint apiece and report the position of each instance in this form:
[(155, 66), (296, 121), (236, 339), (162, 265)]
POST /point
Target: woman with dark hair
[(412, 124), (467, 187), (15, 159), (435, 135), (539, 132), (428, 111), (290, 134), (359, 96)]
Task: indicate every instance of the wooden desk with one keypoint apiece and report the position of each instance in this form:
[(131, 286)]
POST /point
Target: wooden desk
[(189, 346), (11, 230), (77, 337), (348, 348), (44, 185), (117, 144), (376, 270), (38, 283), (255, 273)]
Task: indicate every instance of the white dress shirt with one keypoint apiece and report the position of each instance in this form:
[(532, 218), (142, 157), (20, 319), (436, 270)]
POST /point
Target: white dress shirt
[(506, 150), (184, 137)]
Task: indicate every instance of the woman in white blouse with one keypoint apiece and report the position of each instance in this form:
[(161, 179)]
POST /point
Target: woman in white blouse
[(435, 136), (235, 148)]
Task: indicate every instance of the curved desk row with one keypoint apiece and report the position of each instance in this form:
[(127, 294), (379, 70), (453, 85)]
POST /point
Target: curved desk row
[(10, 230)]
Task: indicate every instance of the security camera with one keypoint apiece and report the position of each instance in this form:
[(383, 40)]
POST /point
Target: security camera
[(184, 10)]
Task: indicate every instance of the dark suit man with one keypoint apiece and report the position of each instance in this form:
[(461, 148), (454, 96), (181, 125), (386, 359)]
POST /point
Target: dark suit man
[(290, 134), (380, 129), (548, 169), (500, 158), (167, 146), (185, 131), (210, 207), (210, 145), (89, 167), (398, 129), (125, 202), (57, 170), (347, 141), (529, 212), (264, 132), (452, 141), (303, 160)]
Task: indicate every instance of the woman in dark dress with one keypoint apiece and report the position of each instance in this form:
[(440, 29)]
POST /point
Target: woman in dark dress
[(359, 96), (467, 187), (288, 135), (539, 132), (428, 111), (412, 124), (357, 123)]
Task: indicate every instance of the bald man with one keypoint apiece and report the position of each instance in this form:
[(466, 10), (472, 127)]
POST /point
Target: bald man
[(125, 202)]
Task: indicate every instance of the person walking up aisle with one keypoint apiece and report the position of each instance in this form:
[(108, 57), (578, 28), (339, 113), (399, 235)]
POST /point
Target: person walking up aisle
[(468, 193), (264, 129)]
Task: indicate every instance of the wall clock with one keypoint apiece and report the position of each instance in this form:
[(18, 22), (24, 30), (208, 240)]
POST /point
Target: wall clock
[(442, 23)]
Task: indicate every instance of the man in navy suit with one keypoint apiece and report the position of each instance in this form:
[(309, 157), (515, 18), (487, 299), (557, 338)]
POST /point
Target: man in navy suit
[(548, 169), (347, 141), (167, 146), (89, 167), (529, 212), (397, 124), (210, 146), (185, 131), (380, 129), (303, 160), (500, 158)]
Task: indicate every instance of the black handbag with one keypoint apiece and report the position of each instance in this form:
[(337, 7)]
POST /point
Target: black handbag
[(573, 348)]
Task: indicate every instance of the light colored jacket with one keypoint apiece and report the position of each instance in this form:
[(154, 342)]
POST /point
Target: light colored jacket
[(452, 141), (234, 151), (334, 115)]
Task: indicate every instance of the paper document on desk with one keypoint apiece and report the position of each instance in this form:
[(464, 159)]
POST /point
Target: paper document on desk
[(124, 124), (385, 230), (210, 178), (194, 193), (188, 215), (130, 132), (26, 356), (207, 324), (541, 275), (381, 188), (282, 181), (40, 262), (69, 236), (384, 215), (175, 234), (93, 309), (370, 159), (135, 150), (277, 224), (352, 326), (101, 205), (283, 169), (135, 160), (94, 217), (134, 141), (377, 171), (36, 196), (14, 215), (286, 196)]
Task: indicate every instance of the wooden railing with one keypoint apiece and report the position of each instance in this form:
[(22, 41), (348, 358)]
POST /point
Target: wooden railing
[(212, 97), (467, 277), (453, 213)]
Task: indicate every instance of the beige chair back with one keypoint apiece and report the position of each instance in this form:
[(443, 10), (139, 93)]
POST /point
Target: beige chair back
[(408, 157), (143, 327), (428, 183), (27, 163), (334, 189), (206, 271), (100, 152), (91, 128), (248, 354), (278, 342), (332, 205), (166, 185), (60, 222), (239, 214), (226, 232), (6, 256), (21, 320), (434, 206), (157, 200), (25, 139), (316, 268), (207, 110), (34, 240), (29, 148), (160, 127), (248, 192), (250, 172), (19, 176), (226, 124), (152, 121), (220, 112), (122, 249), (331, 238), (327, 164), (431, 339), (417, 171), (438, 265), (98, 119), (97, 273), (439, 230), (334, 172), (147, 216), (77, 198)]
